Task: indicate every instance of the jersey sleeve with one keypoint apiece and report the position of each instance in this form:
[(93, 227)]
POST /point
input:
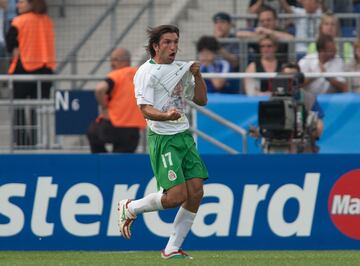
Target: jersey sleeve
[(144, 87)]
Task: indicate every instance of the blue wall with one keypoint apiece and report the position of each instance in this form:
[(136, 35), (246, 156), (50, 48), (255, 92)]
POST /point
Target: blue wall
[(66, 202), (341, 131)]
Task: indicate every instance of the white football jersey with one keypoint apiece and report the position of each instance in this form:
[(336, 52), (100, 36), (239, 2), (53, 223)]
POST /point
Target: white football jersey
[(165, 86)]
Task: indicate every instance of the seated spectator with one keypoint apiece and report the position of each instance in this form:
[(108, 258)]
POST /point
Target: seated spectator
[(266, 63), (120, 120), (329, 25), (354, 66), (255, 6), (268, 25), (208, 50), (325, 60), (228, 50), (305, 27)]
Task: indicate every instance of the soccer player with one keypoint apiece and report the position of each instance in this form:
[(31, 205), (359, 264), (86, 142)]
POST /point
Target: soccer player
[(161, 84)]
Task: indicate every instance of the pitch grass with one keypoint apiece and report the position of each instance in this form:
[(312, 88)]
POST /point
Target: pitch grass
[(207, 258)]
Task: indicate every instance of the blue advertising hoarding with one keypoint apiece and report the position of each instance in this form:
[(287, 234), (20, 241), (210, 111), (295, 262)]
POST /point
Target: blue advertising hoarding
[(68, 202)]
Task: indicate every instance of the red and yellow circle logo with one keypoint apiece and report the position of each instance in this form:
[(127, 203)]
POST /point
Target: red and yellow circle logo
[(344, 204)]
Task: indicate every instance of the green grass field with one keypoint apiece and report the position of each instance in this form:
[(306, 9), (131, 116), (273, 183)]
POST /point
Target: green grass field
[(207, 258)]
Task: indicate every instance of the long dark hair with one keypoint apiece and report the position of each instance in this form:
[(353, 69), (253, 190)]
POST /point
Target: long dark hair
[(154, 35)]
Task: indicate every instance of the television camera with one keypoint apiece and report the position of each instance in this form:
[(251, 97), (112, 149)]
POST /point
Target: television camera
[(285, 123)]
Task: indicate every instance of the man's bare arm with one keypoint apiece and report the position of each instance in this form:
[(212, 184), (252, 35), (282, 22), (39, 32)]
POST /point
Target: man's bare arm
[(200, 92), (152, 113), (338, 85)]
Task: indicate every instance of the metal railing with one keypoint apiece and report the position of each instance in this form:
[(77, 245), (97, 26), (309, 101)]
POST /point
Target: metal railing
[(146, 7), (72, 55), (291, 54), (221, 120), (29, 124), (45, 111)]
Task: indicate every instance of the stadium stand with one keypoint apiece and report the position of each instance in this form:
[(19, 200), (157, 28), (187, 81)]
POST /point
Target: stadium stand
[(86, 30)]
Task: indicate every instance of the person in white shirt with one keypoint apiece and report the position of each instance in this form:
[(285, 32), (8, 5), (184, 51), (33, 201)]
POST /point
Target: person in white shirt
[(161, 84), (325, 60), (305, 27)]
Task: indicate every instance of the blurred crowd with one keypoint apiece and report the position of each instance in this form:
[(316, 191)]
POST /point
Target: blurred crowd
[(312, 37)]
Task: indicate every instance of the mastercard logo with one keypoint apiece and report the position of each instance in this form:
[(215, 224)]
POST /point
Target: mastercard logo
[(344, 204)]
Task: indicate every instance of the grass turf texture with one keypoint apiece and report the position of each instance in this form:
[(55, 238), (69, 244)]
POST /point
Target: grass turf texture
[(208, 258)]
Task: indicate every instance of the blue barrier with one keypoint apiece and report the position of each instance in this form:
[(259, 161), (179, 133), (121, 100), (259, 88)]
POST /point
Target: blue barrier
[(68, 202), (341, 122)]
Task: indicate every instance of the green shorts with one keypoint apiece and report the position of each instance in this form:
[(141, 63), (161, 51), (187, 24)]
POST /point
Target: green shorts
[(174, 159)]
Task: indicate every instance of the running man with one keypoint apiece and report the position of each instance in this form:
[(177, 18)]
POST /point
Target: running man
[(161, 84)]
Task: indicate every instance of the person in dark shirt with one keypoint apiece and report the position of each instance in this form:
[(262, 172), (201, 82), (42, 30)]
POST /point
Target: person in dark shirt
[(228, 50), (120, 120), (208, 50), (268, 62)]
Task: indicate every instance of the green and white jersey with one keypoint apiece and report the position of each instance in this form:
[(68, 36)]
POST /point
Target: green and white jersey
[(165, 86)]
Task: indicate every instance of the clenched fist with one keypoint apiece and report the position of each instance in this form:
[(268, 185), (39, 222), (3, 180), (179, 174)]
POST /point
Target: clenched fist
[(173, 114), (195, 69)]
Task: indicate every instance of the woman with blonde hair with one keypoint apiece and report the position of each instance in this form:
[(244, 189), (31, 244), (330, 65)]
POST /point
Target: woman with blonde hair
[(329, 25), (354, 66)]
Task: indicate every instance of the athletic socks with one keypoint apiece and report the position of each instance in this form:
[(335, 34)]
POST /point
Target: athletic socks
[(181, 227), (149, 203)]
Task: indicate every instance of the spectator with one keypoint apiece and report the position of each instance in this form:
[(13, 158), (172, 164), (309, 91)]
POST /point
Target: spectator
[(256, 5), (266, 63), (268, 25), (325, 60), (228, 50), (120, 119), (354, 66), (208, 50), (30, 40), (305, 27), (329, 25)]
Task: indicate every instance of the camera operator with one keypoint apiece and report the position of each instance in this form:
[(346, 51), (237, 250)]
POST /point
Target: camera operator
[(311, 105), (291, 122)]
